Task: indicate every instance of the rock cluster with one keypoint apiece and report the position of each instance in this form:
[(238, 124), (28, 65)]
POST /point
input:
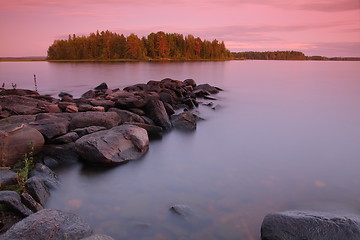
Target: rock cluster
[(104, 126)]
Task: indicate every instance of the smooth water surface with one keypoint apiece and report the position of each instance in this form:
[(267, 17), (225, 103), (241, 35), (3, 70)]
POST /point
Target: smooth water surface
[(285, 135)]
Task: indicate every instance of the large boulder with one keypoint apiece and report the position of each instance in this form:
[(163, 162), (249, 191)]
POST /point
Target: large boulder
[(17, 140), (87, 119), (21, 105), (156, 111), (37, 189), (12, 200), (117, 145), (50, 125), (296, 225), (49, 224), (127, 116), (46, 175)]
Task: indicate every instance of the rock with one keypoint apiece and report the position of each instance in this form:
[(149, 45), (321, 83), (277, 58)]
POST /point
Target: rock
[(71, 109), (209, 98), (85, 107), (102, 86), (137, 111), (19, 92), (98, 109), (117, 145), (89, 94), (37, 189), (85, 131), (98, 237), (50, 126), (295, 225), (12, 200), (190, 82), (63, 154), (169, 109), (52, 108), (200, 93), (156, 111), (208, 88), (183, 210), (30, 203), (7, 177), (17, 119), (21, 105), (103, 103), (127, 116), (152, 130), (49, 224), (184, 121), (64, 105), (65, 94), (16, 140), (45, 174), (87, 119), (67, 138)]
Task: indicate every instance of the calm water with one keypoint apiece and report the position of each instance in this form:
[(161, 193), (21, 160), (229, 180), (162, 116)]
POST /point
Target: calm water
[(286, 136)]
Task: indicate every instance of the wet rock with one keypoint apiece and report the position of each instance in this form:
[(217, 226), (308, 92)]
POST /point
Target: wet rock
[(49, 224), (16, 140), (7, 177), (98, 237), (102, 86), (12, 200), (127, 116), (295, 225), (85, 131), (87, 119), (30, 203), (156, 111), (184, 121), (45, 174), (50, 126), (67, 138), (37, 189), (117, 145), (183, 211)]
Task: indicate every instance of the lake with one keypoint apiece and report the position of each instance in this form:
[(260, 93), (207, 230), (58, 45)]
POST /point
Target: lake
[(284, 135)]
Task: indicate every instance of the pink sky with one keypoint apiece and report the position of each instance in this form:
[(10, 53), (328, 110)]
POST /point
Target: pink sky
[(315, 27)]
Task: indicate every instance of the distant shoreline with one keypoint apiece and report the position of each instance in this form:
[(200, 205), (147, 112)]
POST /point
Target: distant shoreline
[(44, 59)]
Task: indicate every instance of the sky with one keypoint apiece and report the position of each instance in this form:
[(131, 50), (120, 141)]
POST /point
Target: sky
[(315, 27)]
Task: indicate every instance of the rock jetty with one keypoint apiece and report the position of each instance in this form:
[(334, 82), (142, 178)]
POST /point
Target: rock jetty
[(103, 126)]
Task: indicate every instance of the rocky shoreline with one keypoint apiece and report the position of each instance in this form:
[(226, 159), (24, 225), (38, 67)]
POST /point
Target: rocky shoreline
[(103, 127), (109, 127)]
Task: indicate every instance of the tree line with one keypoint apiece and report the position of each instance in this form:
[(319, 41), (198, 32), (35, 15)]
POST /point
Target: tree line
[(107, 45), (275, 55)]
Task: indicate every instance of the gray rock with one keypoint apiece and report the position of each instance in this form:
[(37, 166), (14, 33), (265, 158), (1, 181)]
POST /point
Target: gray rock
[(49, 224), (21, 105), (296, 225), (46, 175), (208, 88), (117, 145), (12, 200), (16, 140), (98, 237), (51, 126), (87, 119), (156, 111), (37, 189), (30, 202), (152, 130), (7, 177), (184, 121)]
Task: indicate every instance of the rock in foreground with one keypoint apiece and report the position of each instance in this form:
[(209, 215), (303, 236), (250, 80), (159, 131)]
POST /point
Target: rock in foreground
[(116, 145), (299, 225), (49, 224)]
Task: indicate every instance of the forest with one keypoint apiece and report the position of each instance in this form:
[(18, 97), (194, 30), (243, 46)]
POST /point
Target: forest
[(275, 55), (107, 45)]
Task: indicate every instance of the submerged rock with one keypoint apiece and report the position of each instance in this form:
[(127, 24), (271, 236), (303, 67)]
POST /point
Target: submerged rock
[(184, 121), (49, 224), (116, 145), (295, 225)]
